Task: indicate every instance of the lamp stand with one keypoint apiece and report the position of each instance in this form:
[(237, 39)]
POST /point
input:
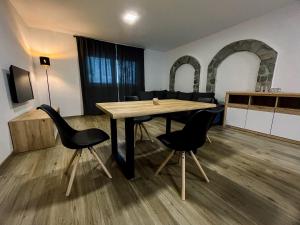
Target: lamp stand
[(48, 87)]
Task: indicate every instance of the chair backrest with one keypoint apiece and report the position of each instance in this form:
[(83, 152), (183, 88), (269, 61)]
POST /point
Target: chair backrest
[(196, 128), (217, 110), (132, 98), (65, 131)]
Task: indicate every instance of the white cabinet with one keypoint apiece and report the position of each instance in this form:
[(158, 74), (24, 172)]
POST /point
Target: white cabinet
[(236, 117), (259, 121), (286, 126), (275, 115)]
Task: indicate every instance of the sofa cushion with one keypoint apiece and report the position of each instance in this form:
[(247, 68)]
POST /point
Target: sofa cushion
[(197, 95), (206, 100), (160, 94), (184, 96), (171, 95), (145, 95)]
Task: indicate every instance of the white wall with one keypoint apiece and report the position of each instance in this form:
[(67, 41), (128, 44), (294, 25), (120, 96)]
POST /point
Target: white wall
[(279, 29), (184, 78), (14, 47), (64, 78), (237, 78), (154, 70)]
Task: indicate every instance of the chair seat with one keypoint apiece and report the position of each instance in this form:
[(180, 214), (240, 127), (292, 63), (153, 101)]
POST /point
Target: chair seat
[(174, 140), (89, 137), (141, 119)]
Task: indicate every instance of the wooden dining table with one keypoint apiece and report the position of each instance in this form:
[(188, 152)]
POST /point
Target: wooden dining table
[(129, 110)]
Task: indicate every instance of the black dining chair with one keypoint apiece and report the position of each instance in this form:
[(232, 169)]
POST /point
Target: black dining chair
[(191, 137), (76, 140), (216, 111), (139, 121)]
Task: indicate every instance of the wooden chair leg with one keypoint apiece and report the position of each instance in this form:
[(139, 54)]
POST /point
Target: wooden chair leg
[(199, 166), (143, 126), (164, 162), (183, 176), (92, 150), (71, 161), (208, 138), (78, 156)]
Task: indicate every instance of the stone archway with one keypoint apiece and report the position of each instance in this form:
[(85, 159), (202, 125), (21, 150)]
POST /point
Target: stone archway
[(266, 54), (186, 60)]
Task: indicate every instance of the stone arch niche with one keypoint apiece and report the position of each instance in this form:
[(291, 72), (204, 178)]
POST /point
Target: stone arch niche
[(186, 60), (266, 54)]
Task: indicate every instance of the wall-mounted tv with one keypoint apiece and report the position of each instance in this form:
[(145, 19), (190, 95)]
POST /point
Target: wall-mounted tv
[(20, 85)]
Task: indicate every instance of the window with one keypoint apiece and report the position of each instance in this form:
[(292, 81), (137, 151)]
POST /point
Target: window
[(128, 72), (99, 70)]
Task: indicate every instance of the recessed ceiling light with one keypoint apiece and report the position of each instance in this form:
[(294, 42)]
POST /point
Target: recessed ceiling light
[(130, 17)]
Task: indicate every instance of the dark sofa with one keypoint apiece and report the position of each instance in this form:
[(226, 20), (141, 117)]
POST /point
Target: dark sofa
[(192, 96)]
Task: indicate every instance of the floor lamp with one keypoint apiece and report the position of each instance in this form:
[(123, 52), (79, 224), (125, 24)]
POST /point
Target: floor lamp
[(45, 61)]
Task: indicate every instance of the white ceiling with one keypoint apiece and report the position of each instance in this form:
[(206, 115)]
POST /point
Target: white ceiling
[(163, 25)]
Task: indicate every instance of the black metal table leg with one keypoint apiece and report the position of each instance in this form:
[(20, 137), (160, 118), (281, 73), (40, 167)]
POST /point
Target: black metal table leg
[(168, 124), (114, 137), (126, 165), (129, 136)]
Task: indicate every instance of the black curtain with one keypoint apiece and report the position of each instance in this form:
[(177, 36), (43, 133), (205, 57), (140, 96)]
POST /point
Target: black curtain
[(130, 67), (97, 62), (108, 72)]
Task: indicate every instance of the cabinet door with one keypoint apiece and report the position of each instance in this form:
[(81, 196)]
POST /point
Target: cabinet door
[(287, 126), (236, 117), (259, 121)]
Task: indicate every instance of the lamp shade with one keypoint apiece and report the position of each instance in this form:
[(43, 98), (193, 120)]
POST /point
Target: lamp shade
[(44, 61)]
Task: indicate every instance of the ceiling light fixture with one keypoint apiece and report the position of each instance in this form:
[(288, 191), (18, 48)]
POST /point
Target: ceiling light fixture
[(130, 17)]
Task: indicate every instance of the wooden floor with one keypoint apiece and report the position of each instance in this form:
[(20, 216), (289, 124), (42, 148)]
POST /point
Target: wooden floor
[(253, 180)]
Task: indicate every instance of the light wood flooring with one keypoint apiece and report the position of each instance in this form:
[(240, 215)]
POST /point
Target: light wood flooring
[(253, 180)]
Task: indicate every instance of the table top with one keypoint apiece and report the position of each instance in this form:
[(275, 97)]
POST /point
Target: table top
[(33, 114), (118, 110)]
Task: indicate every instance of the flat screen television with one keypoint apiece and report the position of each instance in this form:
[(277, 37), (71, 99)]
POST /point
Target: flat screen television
[(20, 85)]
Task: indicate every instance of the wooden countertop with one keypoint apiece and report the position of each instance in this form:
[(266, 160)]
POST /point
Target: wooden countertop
[(33, 114), (280, 94), (118, 110)]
